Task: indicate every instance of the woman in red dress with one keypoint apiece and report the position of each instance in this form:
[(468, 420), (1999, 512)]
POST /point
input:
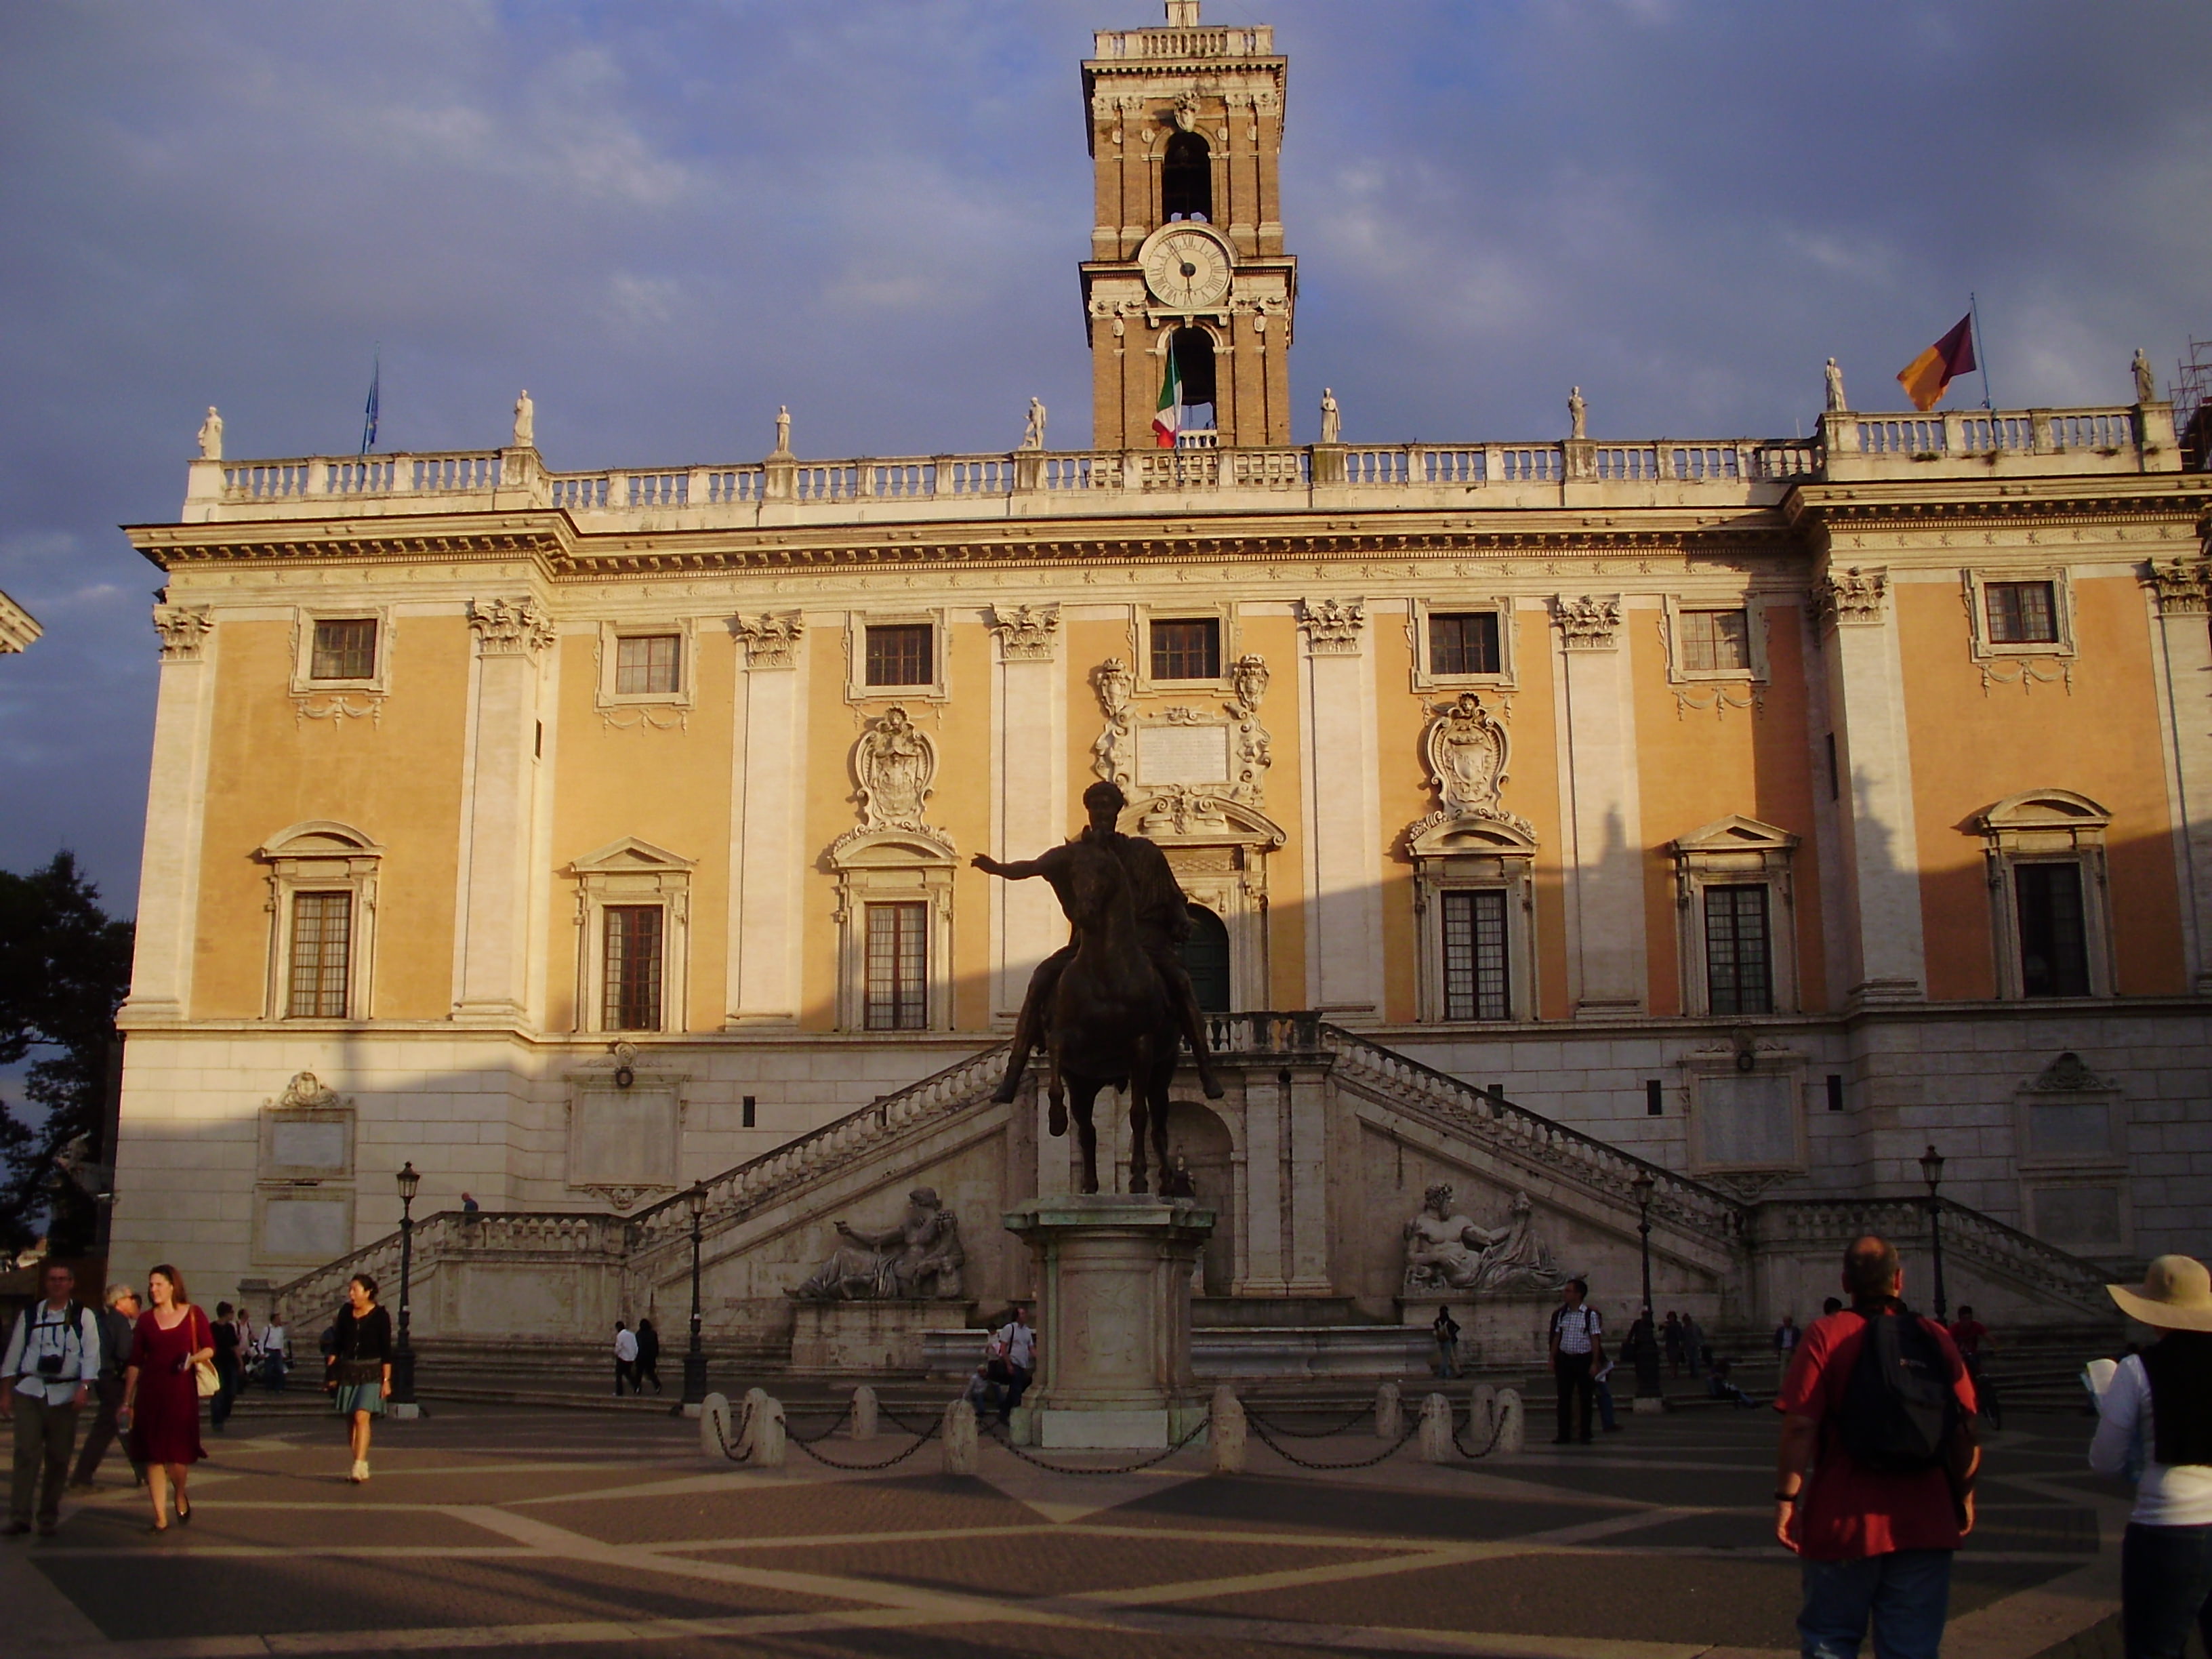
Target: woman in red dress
[(161, 1395)]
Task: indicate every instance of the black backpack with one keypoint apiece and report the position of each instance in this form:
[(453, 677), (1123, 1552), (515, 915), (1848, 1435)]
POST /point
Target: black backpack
[(1900, 1414)]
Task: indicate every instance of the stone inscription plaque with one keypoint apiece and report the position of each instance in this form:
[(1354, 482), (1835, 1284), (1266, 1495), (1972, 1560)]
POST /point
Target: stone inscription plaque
[(1182, 754), (314, 1144), (1748, 1120), (305, 1229), (622, 1137)]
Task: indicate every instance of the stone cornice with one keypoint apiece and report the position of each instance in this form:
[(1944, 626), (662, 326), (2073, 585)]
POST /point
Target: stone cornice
[(2053, 501), (457, 537)]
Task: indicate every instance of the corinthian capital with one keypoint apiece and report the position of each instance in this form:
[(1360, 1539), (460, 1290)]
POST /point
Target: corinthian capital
[(1850, 596), (183, 630), (510, 627), (2179, 586), (1589, 623)]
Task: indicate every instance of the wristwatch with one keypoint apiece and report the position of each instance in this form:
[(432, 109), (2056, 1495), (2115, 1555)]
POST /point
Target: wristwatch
[(1789, 1497)]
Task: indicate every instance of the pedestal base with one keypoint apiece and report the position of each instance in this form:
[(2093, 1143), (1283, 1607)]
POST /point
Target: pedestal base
[(869, 1336)]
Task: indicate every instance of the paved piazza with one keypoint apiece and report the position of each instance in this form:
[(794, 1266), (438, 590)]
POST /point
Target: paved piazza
[(580, 1531)]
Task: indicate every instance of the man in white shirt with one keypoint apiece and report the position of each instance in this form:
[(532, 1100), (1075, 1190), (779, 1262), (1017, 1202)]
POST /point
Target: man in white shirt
[(53, 1361), (1016, 1341), (625, 1359), (276, 1353), (1577, 1350)]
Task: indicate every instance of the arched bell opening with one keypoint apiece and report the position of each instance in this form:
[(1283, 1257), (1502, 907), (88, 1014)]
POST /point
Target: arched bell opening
[(1187, 180)]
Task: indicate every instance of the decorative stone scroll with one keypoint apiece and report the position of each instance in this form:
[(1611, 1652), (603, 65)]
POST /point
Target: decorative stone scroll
[(771, 639), (2180, 586), (510, 627), (1332, 626), (1589, 623), (1850, 596), (1446, 1250), (1025, 632), (919, 1255), (1194, 752), (894, 763), (1466, 749), (184, 630)]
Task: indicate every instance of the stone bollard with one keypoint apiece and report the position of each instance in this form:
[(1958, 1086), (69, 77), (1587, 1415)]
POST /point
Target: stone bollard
[(761, 1430), (961, 1453), (1226, 1431), (1482, 1414), (1389, 1414), (715, 1439), (1435, 1429), (864, 1413), (1511, 1431)]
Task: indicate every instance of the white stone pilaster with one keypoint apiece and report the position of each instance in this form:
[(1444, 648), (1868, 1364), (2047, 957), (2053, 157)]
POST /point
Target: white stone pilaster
[(1343, 813), (1263, 1222), (767, 809), (1028, 789), (499, 812), (1874, 760), (1307, 1271), (2183, 645), (1606, 970), (176, 801)]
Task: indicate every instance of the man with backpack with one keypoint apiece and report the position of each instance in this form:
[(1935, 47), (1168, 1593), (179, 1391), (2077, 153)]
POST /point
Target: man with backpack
[(1878, 1407)]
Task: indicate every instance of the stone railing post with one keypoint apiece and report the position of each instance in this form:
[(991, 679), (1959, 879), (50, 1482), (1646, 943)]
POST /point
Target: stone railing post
[(1326, 466), (778, 479)]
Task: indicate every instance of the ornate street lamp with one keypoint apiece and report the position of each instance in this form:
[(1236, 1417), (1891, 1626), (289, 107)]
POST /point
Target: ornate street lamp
[(1647, 1352), (1931, 1172), (402, 1355), (694, 1360)]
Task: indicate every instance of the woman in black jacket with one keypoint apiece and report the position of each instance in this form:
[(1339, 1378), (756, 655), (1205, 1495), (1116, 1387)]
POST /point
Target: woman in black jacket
[(648, 1356), (358, 1373)]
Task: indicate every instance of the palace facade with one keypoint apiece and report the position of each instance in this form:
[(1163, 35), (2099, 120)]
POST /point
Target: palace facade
[(1768, 810)]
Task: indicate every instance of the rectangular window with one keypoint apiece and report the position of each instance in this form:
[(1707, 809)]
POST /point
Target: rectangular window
[(1475, 983), (322, 953), (898, 968), (2021, 613), (2054, 946), (1715, 641), (903, 655), (1739, 975), (632, 968), (1463, 642), (1187, 650), (649, 664), (344, 650)]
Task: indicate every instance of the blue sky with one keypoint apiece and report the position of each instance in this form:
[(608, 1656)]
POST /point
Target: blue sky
[(666, 220)]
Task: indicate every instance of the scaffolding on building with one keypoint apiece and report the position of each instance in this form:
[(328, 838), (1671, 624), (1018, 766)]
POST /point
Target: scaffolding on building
[(2192, 396)]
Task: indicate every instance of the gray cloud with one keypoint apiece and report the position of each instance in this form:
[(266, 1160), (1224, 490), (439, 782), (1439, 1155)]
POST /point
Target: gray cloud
[(666, 220)]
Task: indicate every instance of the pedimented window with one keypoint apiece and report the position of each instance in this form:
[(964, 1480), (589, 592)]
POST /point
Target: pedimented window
[(1736, 918), (322, 879), (2050, 915), (632, 920)]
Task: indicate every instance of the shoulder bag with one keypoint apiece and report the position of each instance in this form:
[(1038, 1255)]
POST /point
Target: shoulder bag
[(203, 1378)]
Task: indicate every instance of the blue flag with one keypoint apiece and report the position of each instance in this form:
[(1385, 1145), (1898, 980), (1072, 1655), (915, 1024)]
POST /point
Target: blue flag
[(368, 414)]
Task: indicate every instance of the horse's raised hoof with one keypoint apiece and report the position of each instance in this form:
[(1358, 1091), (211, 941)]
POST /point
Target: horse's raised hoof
[(1005, 1093), (1055, 1120), (1212, 1085), (1139, 1185), (1090, 1183)]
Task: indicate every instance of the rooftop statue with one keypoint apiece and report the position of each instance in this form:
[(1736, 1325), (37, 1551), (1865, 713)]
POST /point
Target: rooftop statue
[(1033, 428), (919, 1255), (2146, 381), (526, 423), (1837, 406), (211, 436), (782, 429), (1331, 422), (1578, 414)]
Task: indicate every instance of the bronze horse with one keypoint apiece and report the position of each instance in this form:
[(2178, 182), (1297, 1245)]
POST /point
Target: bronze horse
[(1110, 1023)]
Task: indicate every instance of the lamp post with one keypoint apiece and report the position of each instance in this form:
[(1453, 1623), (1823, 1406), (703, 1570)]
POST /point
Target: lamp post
[(695, 1359), (403, 1354), (1931, 1172), (1647, 1352)]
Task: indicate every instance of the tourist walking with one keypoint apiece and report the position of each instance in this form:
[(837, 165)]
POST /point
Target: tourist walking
[(648, 1356), (1879, 1407), (625, 1359), (2162, 1398), (359, 1375), (1577, 1350), (226, 1367), (276, 1353), (1786, 1338), (1672, 1336), (118, 1329), (1016, 1343), (1601, 1392), (52, 1362), (1693, 1345), (1971, 1338), (1446, 1331), (161, 1414)]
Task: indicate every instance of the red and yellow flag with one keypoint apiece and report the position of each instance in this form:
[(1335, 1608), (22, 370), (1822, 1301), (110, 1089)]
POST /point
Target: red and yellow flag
[(1927, 375)]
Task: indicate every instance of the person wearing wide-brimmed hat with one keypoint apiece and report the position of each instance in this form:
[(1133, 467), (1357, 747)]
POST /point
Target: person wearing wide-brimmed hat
[(2165, 1395)]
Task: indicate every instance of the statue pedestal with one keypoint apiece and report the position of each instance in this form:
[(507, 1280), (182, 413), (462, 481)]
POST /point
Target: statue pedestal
[(1113, 1320), (870, 1335), (1498, 1328)]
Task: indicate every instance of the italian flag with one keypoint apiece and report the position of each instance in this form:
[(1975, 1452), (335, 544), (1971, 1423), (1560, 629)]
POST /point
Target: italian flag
[(1167, 420)]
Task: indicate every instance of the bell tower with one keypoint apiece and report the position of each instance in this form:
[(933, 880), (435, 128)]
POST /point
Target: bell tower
[(1187, 261)]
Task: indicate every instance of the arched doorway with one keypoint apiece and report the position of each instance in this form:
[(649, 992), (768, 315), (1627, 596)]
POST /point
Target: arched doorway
[(1205, 959), (1198, 1136)]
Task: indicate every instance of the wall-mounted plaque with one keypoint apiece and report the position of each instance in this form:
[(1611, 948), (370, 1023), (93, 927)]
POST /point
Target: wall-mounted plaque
[(1182, 754)]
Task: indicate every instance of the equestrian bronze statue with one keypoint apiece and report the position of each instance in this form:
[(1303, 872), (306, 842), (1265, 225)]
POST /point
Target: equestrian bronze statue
[(1113, 1006)]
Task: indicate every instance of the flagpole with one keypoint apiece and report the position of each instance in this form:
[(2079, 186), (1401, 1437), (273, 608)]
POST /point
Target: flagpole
[(369, 415), (1981, 347)]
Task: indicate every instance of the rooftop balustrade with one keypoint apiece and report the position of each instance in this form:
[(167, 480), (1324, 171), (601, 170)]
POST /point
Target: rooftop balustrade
[(1032, 482)]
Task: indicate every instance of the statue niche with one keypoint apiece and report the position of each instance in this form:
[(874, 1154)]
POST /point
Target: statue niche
[(918, 1256), (1448, 1251)]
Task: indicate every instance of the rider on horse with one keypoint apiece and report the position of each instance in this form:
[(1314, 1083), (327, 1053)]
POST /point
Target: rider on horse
[(1163, 923)]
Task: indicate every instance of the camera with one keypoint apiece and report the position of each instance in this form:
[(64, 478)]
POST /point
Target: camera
[(50, 1365)]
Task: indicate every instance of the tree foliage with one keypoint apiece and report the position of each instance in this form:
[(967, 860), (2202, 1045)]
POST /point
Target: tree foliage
[(64, 968)]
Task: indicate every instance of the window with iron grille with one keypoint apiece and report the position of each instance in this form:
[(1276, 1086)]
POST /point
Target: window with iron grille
[(2054, 944), (1186, 649), (1715, 641), (1738, 962), (632, 969), (649, 664), (898, 968), (322, 955), (901, 653), (344, 650), (1476, 985), (1463, 642), (2021, 613)]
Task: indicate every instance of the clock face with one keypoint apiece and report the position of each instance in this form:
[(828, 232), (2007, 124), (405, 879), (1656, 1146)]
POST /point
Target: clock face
[(1187, 269)]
